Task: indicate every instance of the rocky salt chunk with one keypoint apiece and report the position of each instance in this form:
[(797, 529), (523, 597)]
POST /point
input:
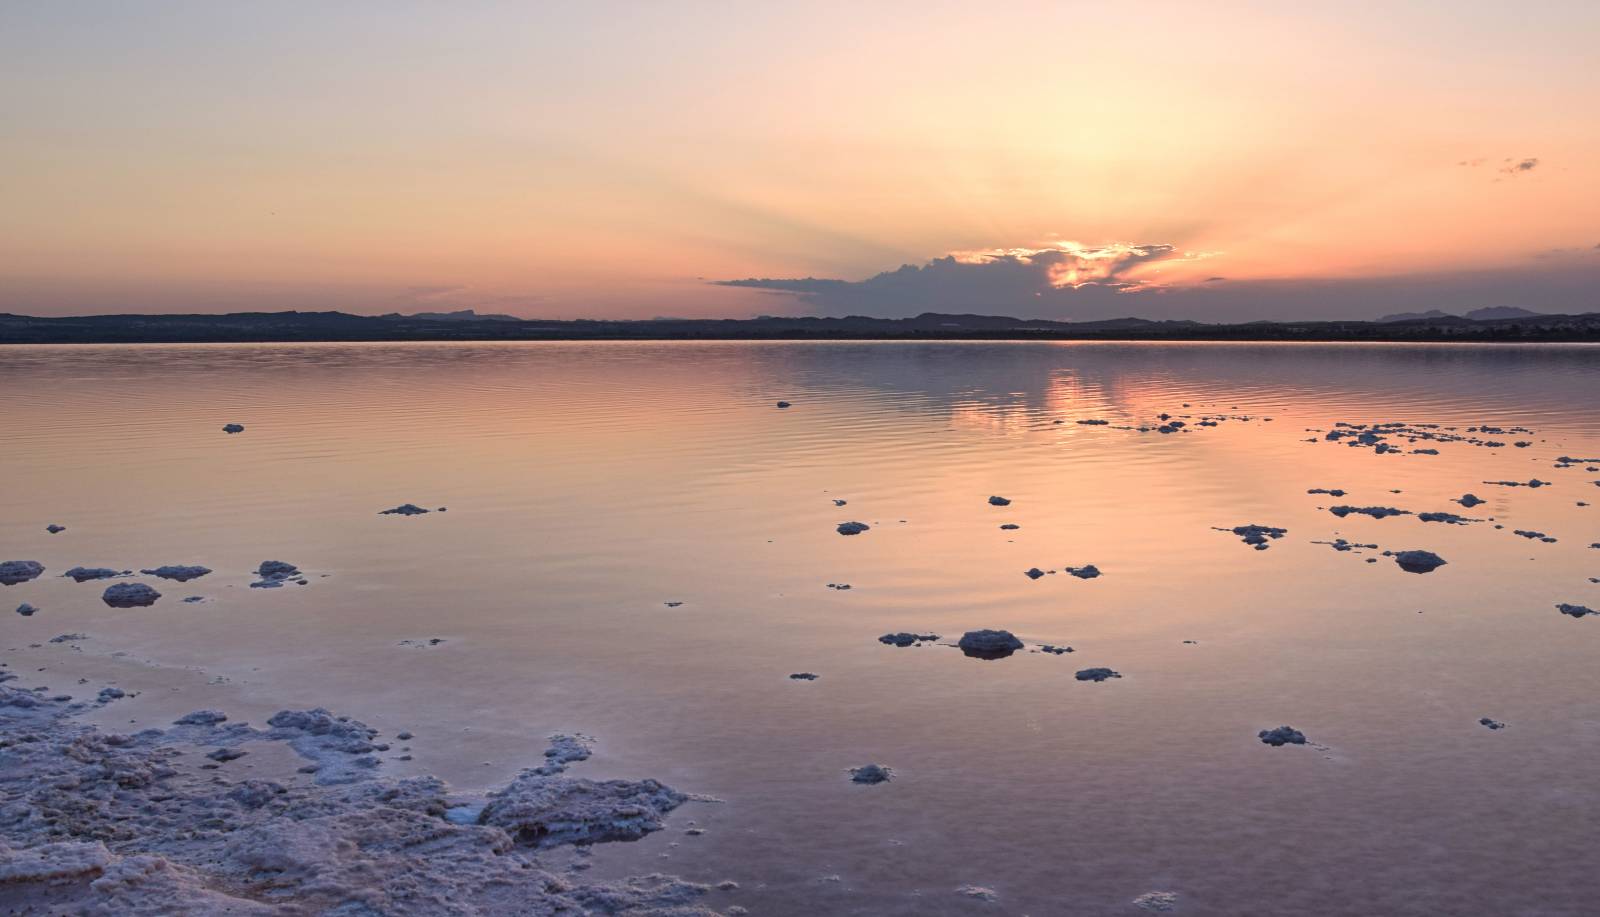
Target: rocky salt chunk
[(989, 644), (129, 595), (1282, 735)]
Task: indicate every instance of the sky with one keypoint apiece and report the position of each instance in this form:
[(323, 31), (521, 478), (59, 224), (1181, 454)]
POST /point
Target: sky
[(1212, 161)]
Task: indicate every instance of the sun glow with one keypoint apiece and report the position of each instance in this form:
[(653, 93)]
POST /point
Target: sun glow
[(1069, 264)]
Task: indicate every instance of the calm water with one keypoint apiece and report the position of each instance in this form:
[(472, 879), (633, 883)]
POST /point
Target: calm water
[(589, 484)]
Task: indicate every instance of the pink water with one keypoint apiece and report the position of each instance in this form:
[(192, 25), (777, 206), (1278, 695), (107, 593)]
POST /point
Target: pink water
[(589, 484)]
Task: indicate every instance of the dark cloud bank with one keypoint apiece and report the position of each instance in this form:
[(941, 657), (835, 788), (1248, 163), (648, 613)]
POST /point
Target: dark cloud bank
[(1114, 281)]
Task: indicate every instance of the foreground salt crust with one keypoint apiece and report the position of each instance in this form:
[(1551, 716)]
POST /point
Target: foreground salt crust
[(98, 823)]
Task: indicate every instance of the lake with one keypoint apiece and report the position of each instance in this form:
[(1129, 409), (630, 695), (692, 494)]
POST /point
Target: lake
[(590, 487)]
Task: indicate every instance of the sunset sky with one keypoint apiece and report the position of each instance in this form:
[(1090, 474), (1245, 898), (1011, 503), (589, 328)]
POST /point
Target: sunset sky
[(590, 159)]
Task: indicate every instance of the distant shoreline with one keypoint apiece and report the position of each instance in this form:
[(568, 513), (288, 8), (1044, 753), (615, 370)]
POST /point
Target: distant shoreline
[(339, 327)]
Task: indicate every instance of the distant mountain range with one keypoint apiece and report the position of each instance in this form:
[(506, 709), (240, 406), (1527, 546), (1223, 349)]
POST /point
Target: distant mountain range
[(463, 315), (1502, 324), (1489, 314)]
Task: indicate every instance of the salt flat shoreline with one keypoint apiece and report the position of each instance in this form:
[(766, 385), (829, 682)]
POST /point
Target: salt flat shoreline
[(206, 814)]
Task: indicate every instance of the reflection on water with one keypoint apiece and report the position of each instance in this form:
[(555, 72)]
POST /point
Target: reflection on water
[(589, 485)]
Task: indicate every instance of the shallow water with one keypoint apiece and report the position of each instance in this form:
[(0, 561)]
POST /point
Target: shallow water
[(589, 484)]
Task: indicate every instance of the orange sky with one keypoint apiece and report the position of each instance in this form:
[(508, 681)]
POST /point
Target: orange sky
[(603, 159)]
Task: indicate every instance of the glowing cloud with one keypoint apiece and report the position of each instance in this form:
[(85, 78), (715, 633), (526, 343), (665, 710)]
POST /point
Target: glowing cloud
[(1048, 279), (1069, 264)]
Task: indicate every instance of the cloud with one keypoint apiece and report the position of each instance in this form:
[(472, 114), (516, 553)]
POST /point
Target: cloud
[(1076, 282), (1043, 280), (1508, 166), (1567, 253), (803, 285)]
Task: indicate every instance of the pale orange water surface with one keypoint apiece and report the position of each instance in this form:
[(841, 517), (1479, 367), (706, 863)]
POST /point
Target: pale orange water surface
[(589, 484)]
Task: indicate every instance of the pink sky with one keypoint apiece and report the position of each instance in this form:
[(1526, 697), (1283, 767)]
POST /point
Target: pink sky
[(557, 160)]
